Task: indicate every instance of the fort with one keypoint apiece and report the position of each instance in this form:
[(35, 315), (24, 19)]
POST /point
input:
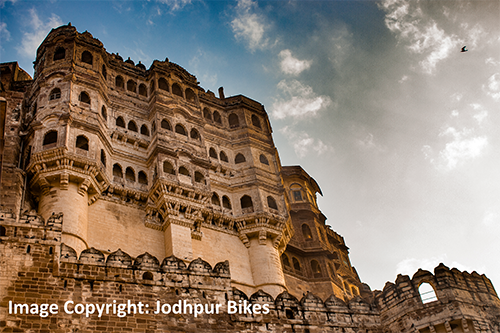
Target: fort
[(127, 185)]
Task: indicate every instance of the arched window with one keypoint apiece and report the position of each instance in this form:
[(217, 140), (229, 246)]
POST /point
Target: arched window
[(104, 113), (217, 117), (117, 171), (60, 53), (166, 125), (190, 95), (50, 137), (3, 231), (296, 264), (246, 202), (206, 114), (223, 157), (215, 199), (263, 159), (256, 121), (180, 129), (195, 134), (427, 293), (131, 85), (285, 260), (82, 142), (212, 153), (87, 57), (104, 72), (225, 202), (132, 126), (103, 158), (234, 120), (239, 159), (143, 91), (119, 83), (147, 276), (176, 90), (144, 130), (84, 97), (306, 232), (120, 122), (198, 177), (142, 178), (55, 94), (271, 203), (163, 84), (316, 269), (184, 171), (296, 192), (130, 175), (168, 168)]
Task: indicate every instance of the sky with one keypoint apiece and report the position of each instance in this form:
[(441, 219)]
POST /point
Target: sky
[(374, 99)]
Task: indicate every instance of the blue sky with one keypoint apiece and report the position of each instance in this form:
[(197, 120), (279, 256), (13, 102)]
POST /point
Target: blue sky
[(373, 98)]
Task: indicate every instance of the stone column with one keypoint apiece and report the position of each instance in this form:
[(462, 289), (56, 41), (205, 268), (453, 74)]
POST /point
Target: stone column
[(71, 200), (266, 266), (178, 239)]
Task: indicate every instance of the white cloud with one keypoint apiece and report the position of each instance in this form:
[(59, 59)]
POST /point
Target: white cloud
[(39, 29), (303, 144), (410, 266), (481, 115), (4, 33), (175, 5), (491, 218), (454, 113), (464, 147), (301, 101), (249, 25), (403, 79), (421, 36), (291, 65), (493, 87), (368, 143)]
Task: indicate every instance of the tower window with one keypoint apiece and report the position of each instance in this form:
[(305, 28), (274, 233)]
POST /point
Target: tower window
[(117, 171), (82, 142), (223, 156), (142, 178), (132, 126), (225, 202), (130, 175), (217, 117), (263, 159), (166, 125), (144, 130), (55, 94), (427, 293), (120, 122), (206, 114), (306, 232), (180, 129), (212, 153), (84, 97), (104, 113), (87, 57), (143, 91), (60, 53), (184, 171), (176, 90), (131, 85), (271, 203), (296, 264), (256, 121), (239, 159), (215, 199), (195, 134), (50, 137), (162, 84), (246, 202), (168, 168), (233, 120), (119, 83), (316, 269), (198, 177), (190, 95)]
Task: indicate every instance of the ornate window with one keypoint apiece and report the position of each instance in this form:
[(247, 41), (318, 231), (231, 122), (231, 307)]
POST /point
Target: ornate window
[(131, 85), (263, 159), (217, 117), (271, 203), (206, 114), (223, 157), (132, 126), (234, 120), (215, 199), (198, 177), (296, 264), (176, 90), (306, 232), (120, 122), (166, 125), (104, 113), (130, 175), (119, 83), (144, 130), (180, 129), (225, 202), (168, 168), (117, 171), (246, 202), (50, 138), (163, 84), (190, 95), (143, 91), (212, 153), (316, 269), (256, 121), (142, 178), (84, 97)]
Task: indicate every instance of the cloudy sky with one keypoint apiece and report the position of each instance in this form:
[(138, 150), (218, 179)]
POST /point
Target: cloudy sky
[(373, 98)]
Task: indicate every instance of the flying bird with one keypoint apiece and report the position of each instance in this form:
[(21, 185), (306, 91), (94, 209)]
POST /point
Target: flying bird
[(464, 49)]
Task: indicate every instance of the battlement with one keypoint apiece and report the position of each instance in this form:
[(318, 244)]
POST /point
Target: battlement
[(452, 299)]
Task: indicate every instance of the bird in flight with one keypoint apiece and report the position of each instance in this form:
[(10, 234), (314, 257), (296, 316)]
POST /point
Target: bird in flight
[(464, 49)]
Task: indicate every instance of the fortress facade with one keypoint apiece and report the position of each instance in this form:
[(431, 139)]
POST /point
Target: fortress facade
[(126, 184)]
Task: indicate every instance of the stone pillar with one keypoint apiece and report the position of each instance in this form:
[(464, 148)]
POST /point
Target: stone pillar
[(266, 266), (178, 240), (67, 198)]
